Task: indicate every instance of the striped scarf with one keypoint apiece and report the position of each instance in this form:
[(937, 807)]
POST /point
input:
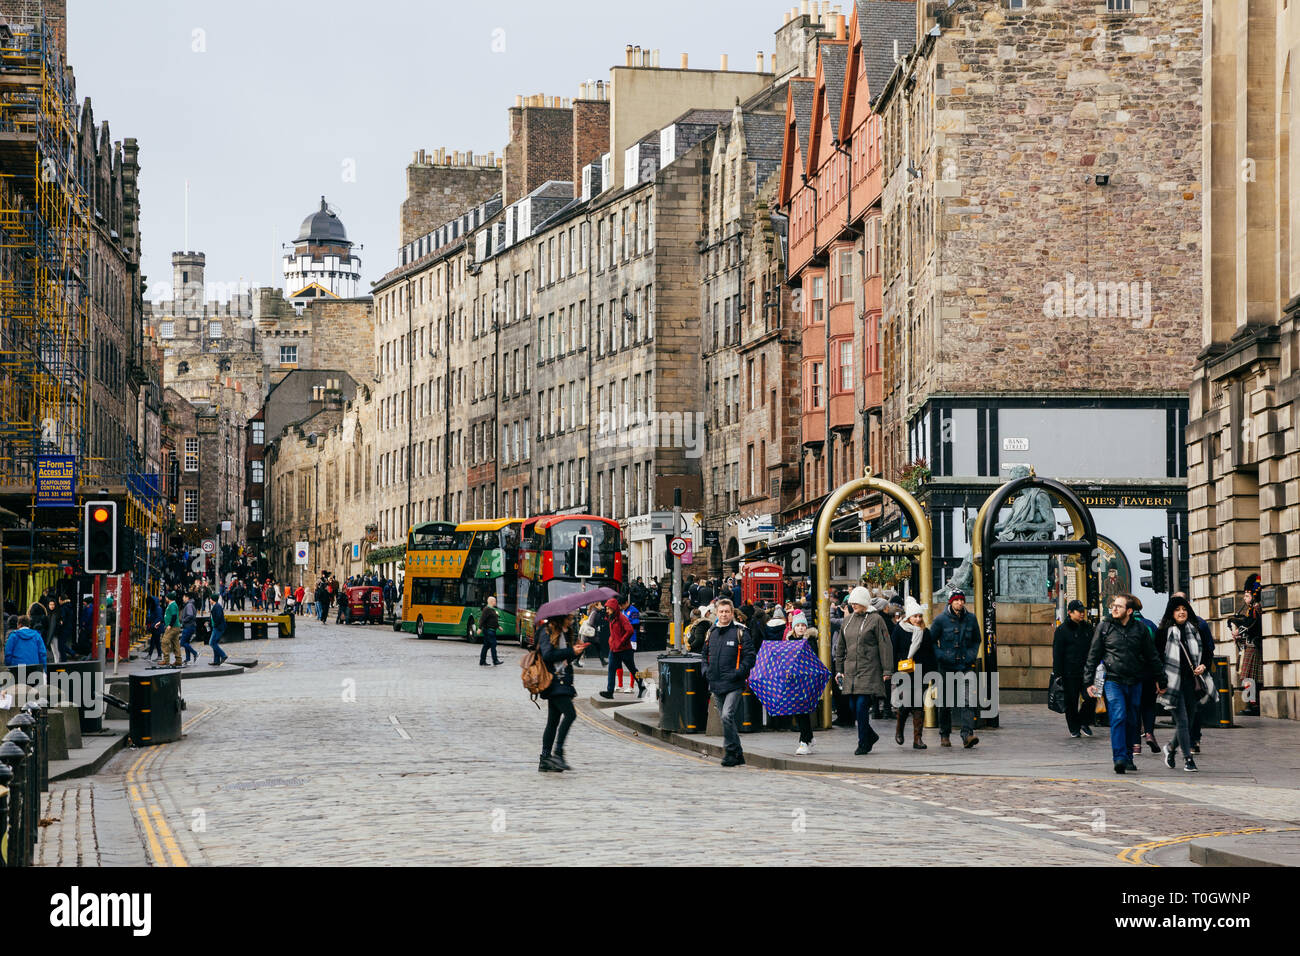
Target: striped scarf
[(1175, 642)]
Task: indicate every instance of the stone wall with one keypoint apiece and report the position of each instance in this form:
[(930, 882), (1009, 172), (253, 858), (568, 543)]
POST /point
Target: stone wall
[(436, 194)]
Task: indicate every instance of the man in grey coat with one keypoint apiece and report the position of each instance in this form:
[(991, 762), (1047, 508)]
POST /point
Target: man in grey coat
[(864, 662)]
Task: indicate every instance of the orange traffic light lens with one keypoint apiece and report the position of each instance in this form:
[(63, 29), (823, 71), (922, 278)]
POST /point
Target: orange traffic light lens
[(100, 515)]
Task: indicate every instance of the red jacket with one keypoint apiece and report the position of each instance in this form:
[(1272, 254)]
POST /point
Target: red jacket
[(620, 632)]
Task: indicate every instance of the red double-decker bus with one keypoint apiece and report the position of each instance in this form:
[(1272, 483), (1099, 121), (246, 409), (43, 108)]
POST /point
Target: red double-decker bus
[(553, 560)]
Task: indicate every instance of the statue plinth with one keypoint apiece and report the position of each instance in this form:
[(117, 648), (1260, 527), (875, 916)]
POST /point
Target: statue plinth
[(1023, 579)]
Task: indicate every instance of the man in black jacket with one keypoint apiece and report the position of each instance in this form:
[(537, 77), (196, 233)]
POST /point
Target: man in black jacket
[(1070, 646), (957, 642), (489, 623), (729, 655), (1125, 646)]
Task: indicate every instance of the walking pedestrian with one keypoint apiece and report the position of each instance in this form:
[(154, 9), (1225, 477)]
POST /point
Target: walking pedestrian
[(599, 620), (1070, 645), (299, 593), (1129, 654), (729, 655), (913, 642), (153, 625), (489, 623), (171, 647), (800, 631), (1184, 663), (775, 629), (189, 624), (217, 617), (557, 650), (956, 646), (864, 663), (620, 648), (85, 628), (1207, 658)]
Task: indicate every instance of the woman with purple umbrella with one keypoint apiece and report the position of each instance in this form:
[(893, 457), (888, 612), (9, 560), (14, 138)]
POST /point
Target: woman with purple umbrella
[(800, 631)]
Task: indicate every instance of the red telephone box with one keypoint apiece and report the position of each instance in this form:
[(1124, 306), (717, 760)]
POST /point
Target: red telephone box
[(762, 582)]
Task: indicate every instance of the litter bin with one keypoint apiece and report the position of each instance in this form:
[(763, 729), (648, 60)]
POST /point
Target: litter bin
[(751, 712), (652, 635), (155, 708), (258, 629), (683, 694)]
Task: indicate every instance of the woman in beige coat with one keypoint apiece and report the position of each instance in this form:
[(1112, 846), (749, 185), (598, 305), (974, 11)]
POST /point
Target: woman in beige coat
[(864, 661)]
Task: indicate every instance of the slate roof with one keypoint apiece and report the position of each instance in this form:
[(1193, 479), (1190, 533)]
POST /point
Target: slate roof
[(702, 118), (764, 135), (881, 22), (801, 94), (835, 56)]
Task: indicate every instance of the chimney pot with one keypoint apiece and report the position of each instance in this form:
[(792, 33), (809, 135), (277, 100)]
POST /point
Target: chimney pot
[(684, 61), (654, 61), (803, 8), (519, 101), (628, 55), (724, 62), (839, 26), (758, 68), (772, 59)]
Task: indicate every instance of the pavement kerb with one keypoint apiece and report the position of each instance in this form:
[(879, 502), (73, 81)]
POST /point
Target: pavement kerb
[(94, 764), (692, 743)]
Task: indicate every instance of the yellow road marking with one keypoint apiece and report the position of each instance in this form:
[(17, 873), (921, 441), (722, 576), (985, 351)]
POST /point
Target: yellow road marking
[(1135, 854), (155, 849), (172, 848)]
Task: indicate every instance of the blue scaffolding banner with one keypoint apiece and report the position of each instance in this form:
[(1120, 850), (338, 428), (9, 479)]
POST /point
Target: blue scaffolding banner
[(56, 481), (147, 487)]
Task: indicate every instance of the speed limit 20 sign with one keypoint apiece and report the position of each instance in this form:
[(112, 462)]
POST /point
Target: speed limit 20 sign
[(678, 546)]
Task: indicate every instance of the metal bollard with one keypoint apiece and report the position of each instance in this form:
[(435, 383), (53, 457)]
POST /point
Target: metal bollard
[(42, 715), (24, 723), (31, 796), (6, 777), (12, 754)]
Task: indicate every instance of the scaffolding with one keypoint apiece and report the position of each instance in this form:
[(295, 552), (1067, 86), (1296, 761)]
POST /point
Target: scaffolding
[(44, 259)]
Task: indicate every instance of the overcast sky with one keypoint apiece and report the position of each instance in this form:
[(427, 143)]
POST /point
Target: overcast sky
[(265, 105)]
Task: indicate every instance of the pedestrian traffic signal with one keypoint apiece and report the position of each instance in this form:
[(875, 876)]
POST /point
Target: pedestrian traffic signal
[(99, 537), (582, 556), (1156, 580)]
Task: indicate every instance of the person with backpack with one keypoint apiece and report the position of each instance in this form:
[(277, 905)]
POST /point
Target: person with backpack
[(555, 652)]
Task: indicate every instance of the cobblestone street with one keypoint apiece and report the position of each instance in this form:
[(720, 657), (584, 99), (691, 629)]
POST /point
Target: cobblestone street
[(361, 746)]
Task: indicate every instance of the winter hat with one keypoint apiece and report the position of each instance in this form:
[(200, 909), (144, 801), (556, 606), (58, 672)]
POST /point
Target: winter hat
[(879, 604), (860, 595), (910, 607), (797, 618), (611, 605), (777, 614), (957, 593), (1253, 584), (1075, 605)]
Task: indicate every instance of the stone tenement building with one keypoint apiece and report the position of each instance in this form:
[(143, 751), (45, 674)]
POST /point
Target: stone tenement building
[(116, 304), (1042, 211), (1243, 454), (580, 298), (321, 490)]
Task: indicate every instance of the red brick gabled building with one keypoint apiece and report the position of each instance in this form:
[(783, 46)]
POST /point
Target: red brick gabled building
[(831, 190)]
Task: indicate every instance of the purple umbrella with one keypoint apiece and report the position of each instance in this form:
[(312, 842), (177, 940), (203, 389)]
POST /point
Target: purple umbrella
[(788, 677), (571, 603)]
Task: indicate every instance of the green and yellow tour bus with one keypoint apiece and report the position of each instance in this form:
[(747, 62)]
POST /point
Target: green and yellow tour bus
[(452, 569)]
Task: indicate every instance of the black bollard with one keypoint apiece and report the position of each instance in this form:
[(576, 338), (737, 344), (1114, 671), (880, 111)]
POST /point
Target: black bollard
[(6, 778), (24, 723), (42, 716), (13, 755)]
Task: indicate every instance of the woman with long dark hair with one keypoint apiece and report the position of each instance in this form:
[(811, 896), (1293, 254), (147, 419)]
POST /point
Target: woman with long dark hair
[(557, 650), (1184, 662)]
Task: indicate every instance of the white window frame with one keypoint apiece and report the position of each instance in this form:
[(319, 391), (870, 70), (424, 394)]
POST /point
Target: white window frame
[(190, 506), (191, 454)]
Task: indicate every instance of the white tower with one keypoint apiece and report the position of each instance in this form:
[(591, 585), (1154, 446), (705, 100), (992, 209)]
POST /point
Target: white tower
[(322, 262)]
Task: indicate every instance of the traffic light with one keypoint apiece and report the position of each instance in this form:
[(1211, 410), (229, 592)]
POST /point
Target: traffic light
[(582, 556), (1155, 564), (99, 536), (1180, 564)]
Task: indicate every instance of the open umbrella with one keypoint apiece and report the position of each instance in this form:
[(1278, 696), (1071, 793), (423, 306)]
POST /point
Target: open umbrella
[(788, 677), (571, 603)]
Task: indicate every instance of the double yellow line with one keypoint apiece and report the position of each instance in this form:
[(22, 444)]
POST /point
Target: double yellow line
[(1135, 854), (145, 803)]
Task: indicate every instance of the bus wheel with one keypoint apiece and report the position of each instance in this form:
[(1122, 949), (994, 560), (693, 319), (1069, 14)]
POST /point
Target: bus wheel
[(397, 624)]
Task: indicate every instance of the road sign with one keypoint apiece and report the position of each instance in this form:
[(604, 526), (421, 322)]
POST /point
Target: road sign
[(300, 553), (678, 546), (209, 546), (688, 556)]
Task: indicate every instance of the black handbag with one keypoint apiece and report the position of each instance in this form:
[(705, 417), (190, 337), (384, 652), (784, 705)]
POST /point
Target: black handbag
[(1056, 695)]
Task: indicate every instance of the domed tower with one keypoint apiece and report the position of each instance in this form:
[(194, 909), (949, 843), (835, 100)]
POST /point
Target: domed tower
[(322, 262)]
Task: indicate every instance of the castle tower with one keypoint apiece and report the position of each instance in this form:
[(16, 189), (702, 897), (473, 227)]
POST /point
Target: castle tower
[(322, 262)]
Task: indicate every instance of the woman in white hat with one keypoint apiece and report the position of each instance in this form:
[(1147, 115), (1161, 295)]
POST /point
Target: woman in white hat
[(864, 662), (912, 641)]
